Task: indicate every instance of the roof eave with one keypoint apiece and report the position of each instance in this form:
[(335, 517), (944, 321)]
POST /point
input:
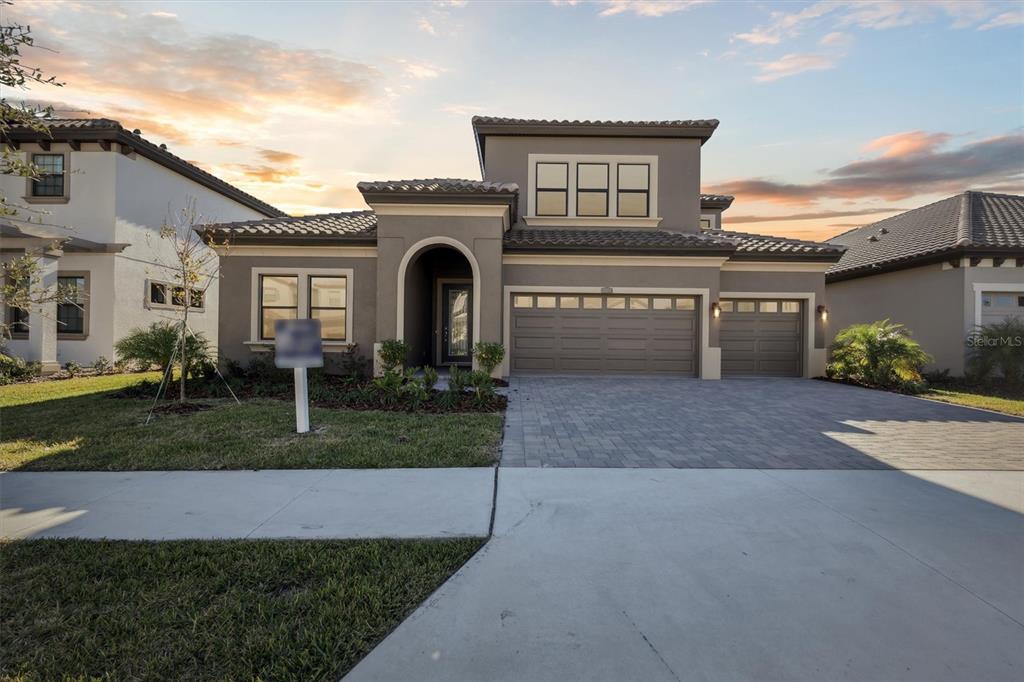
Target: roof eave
[(786, 257), (918, 260)]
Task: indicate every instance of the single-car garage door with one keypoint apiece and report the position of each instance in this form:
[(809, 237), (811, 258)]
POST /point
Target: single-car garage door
[(761, 338), (999, 306), (603, 334)]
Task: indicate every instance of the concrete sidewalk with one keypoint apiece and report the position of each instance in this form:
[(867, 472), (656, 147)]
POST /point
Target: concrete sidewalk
[(618, 574), (166, 505)]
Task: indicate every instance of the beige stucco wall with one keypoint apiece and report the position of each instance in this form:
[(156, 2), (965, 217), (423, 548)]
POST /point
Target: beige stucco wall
[(236, 298), (678, 180), (928, 300), (479, 236)]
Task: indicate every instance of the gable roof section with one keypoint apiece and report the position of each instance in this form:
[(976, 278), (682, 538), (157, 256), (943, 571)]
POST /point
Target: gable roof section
[(761, 247), (722, 201), (968, 223), (607, 240), (437, 186), (105, 130), (483, 126), (347, 228)]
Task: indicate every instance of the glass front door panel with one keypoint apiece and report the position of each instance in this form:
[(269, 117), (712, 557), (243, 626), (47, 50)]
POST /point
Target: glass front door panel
[(458, 316)]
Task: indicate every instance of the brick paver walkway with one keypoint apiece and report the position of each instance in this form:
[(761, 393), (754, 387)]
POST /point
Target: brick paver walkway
[(746, 423)]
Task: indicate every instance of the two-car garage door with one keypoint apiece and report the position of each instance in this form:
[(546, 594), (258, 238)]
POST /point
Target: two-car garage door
[(603, 334), (648, 334)]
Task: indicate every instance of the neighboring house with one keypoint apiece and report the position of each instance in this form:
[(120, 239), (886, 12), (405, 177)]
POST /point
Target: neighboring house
[(581, 250), (93, 221), (941, 270)]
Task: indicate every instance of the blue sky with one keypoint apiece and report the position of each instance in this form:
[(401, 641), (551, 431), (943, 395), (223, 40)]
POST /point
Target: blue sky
[(835, 113)]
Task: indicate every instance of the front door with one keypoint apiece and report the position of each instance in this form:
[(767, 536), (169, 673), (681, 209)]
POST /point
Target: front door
[(456, 323)]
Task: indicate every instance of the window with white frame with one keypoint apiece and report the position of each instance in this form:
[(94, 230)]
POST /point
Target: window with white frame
[(319, 294), (167, 295), (610, 188)]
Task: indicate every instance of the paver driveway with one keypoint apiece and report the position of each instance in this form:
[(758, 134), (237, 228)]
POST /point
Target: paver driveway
[(746, 423)]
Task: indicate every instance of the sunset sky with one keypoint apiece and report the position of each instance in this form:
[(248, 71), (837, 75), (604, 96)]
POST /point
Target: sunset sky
[(832, 114)]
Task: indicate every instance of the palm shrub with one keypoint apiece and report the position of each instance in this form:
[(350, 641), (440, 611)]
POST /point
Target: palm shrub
[(997, 347), (14, 369), (155, 345), (879, 354)]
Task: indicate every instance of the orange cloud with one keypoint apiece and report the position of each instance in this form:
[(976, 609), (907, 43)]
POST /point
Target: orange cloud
[(905, 144)]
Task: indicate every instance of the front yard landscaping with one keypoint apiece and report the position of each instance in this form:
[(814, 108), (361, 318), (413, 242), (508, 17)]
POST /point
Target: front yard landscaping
[(80, 424), (272, 610)]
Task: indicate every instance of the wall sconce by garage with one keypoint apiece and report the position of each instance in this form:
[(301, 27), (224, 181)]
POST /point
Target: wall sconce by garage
[(823, 313), (716, 310)]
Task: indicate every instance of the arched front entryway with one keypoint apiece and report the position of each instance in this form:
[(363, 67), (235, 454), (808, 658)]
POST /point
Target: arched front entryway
[(438, 303)]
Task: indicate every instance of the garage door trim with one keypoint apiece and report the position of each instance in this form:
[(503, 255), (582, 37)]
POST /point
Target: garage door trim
[(981, 288), (811, 356), (706, 357)]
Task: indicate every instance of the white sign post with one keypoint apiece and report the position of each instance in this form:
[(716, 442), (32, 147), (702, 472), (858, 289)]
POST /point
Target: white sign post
[(298, 346)]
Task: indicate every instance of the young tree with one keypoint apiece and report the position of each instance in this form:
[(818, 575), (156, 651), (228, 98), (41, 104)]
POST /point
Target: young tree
[(21, 288), (195, 267)]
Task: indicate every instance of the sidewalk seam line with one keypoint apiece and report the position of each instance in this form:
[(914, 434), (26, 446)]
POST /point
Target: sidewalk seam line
[(289, 502)]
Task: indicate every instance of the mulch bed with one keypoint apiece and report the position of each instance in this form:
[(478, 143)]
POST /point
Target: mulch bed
[(327, 391)]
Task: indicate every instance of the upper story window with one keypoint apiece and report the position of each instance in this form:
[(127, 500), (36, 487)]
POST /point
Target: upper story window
[(634, 190), (552, 189), (706, 223), (50, 182), (592, 189)]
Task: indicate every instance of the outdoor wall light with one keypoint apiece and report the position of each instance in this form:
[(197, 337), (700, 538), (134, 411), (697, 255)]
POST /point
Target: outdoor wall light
[(823, 313), (716, 310)]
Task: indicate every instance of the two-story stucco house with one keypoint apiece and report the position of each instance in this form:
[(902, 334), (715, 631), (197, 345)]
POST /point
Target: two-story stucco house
[(93, 222), (586, 248)]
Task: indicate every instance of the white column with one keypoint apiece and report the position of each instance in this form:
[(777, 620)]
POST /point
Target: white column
[(42, 321)]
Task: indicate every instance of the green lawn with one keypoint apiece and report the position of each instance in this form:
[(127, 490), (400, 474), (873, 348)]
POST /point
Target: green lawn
[(241, 609), (973, 397), (75, 425)]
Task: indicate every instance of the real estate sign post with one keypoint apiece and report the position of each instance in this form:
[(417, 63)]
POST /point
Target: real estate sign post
[(298, 346)]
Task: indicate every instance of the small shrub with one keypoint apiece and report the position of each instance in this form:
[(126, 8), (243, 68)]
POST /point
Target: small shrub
[(458, 379), (484, 385), (156, 344), (414, 394), (122, 365), (488, 355), (937, 377), (14, 369), (447, 400), (389, 386), (429, 378), (101, 365), (878, 354), (72, 368), (997, 347), (392, 354)]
